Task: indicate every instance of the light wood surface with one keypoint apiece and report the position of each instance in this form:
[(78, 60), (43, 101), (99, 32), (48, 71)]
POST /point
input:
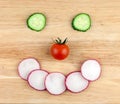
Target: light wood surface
[(101, 42)]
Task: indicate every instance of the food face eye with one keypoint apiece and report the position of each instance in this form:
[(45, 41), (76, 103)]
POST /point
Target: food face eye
[(36, 21), (81, 22)]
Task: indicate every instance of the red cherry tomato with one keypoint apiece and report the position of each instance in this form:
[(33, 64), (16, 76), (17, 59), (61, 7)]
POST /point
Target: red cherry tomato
[(60, 50)]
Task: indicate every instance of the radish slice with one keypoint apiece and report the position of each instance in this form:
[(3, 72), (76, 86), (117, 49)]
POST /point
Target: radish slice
[(91, 70), (26, 66), (55, 83), (36, 79), (76, 83)]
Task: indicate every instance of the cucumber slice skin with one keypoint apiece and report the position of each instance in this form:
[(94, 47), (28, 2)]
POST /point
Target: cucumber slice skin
[(31, 27), (81, 29)]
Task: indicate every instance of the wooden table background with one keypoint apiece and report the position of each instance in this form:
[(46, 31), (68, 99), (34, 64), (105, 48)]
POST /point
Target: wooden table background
[(101, 42)]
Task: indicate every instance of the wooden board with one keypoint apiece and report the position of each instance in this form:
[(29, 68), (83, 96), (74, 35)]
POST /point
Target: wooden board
[(101, 42)]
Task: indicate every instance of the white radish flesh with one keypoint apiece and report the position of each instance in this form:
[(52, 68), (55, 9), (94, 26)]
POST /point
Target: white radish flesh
[(36, 79), (55, 83), (76, 83), (26, 66), (91, 70)]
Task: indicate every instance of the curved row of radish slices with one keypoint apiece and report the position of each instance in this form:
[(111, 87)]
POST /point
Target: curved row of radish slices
[(56, 83)]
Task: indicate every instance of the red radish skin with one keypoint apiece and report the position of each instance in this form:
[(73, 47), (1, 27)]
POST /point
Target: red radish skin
[(73, 83), (99, 73), (64, 84), (29, 82), (31, 70)]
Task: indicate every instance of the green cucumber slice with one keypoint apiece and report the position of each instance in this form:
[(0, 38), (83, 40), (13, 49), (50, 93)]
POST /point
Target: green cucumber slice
[(81, 22), (36, 21)]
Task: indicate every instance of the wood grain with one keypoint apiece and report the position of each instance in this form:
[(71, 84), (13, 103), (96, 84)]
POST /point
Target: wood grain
[(101, 42)]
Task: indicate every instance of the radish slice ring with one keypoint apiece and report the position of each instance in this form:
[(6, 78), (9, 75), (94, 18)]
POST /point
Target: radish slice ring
[(55, 83), (26, 66), (91, 70), (36, 79), (76, 83)]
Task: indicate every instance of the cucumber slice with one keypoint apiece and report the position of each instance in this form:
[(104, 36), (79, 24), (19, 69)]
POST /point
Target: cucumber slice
[(36, 21), (81, 22)]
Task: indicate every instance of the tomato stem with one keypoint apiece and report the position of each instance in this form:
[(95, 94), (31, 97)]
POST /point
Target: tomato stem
[(59, 41), (64, 41)]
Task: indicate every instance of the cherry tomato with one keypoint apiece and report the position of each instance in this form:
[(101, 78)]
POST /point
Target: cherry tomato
[(60, 50)]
